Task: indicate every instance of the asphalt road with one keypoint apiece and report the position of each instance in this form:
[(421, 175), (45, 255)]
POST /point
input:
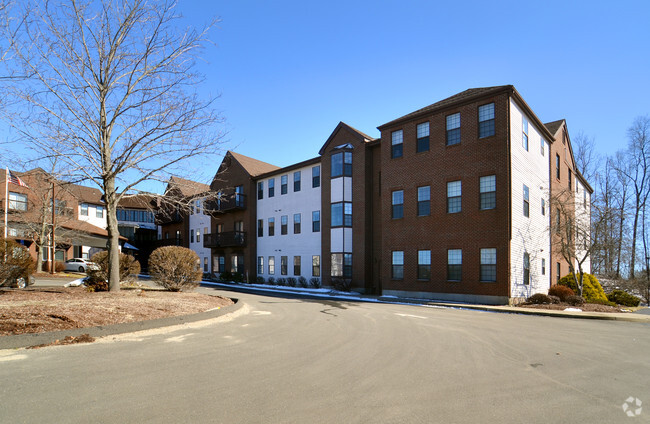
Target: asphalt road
[(307, 361)]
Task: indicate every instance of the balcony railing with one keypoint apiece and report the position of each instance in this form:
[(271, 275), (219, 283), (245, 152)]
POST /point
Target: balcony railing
[(225, 239), (227, 203), (168, 242)]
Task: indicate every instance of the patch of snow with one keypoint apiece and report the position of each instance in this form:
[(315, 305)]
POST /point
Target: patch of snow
[(573, 310), (76, 283)]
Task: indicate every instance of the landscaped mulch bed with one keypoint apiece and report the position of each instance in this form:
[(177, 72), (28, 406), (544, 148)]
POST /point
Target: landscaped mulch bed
[(36, 310)]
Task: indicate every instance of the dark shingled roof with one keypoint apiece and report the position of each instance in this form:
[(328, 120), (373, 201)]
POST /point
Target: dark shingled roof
[(254, 167), (552, 127), (187, 188), (456, 98)]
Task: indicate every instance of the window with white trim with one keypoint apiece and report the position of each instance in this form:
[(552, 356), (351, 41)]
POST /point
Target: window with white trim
[(453, 129), (397, 144), (422, 131), (488, 265), (488, 192), (486, 121), (454, 196)]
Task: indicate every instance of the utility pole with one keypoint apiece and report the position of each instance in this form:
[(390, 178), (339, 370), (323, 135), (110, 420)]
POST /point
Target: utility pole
[(52, 257)]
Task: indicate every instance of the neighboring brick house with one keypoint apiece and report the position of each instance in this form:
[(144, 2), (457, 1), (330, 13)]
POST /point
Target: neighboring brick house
[(173, 210), (234, 209), (77, 233), (452, 202)]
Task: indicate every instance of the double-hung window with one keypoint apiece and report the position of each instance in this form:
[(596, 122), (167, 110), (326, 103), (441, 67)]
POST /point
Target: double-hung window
[(398, 265), (398, 204), (284, 222), (260, 228), (284, 265), (488, 192), (284, 181), (272, 187), (454, 196), (260, 265), (557, 166), (271, 227), (315, 265), (315, 221), (526, 201), (424, 201), (397, 144), (454, 264), (423, 137), (315, 176), (84, 207), (424, 264), (260, 190), (296, 265), (453, 129), (488, 265), (296, 181), (271, 265), (99, 211), (486, 120), (542, 143), (296, 223), (569, 179), (524, 135)]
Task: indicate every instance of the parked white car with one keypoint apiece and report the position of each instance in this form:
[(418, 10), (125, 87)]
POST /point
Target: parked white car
[(80, 265)]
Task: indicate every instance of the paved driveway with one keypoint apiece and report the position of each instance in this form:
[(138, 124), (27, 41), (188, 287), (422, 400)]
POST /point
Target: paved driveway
[(306, 361)]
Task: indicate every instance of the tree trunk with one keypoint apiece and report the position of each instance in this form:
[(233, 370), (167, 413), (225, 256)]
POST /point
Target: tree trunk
[(635, 225), (113, 237)]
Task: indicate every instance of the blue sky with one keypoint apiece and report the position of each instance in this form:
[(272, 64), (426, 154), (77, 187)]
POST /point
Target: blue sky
[(289, 71)]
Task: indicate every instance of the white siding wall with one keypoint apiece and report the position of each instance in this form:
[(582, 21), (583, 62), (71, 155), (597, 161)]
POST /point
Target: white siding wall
[(307, 243), (583, 218), (530, 234), (198, 223), (92, 216)]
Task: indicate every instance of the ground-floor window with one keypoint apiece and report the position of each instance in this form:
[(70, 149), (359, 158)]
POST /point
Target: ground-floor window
[(342, 265), (398, 265), (205, 264), (526, 268), (218, 263), (315, 265), (424, 264), (488, 265), (284, 264), (271, 265), (296, 265), (454, 264), (260, 265)]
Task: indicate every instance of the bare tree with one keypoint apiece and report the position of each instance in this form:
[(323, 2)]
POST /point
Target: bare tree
[(114, 95), (585, 155), (574, 228), (637, 172)]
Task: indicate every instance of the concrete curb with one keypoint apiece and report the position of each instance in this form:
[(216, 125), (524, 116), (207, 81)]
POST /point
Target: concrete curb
[(26, 340), (242, 288)]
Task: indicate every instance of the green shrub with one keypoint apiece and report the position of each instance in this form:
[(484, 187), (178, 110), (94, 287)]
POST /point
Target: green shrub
[(603, 302), (281, 281), (303, 282), (554, 299), (592, 291), (225, 277), (623, 298), (260, 280), (342, 284), (316, 283), (98, 278), (561, 292), (237, 277), (291, 282), (575, 300), (175, 268), (539, 299), (271, 281)]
